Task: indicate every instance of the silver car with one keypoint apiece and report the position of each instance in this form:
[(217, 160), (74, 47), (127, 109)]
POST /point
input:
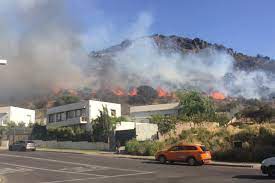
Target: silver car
[(23, 146)]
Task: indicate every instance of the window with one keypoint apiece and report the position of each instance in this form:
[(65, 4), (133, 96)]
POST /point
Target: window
[(203, 148), (70, 114), (63, 116), (83, 112), (51, 118), (113, 113), (175, 148), (58, 117), (190, 148), (78, 112)]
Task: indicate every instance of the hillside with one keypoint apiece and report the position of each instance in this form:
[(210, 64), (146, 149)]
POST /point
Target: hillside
[(186, 45)]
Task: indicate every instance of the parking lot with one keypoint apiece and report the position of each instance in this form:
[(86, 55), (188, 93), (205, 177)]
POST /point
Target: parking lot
[(50, 167)]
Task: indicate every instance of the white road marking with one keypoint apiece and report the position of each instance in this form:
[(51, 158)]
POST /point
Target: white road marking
[(105, 177), (82, 169), (51, 170), (12, 170), (72, 163)]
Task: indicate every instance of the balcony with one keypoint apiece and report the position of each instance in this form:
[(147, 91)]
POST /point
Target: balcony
[(69, 122)]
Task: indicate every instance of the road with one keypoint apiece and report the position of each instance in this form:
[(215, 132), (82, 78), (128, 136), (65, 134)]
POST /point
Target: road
[(51, 167)]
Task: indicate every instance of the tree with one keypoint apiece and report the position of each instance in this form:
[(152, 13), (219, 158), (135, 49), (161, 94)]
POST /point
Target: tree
[(39, 132), (104, 126), (165, 123), (261, 113), (195, 107)]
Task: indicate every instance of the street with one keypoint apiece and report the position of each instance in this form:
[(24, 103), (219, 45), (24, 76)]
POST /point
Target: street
[(51, 167)]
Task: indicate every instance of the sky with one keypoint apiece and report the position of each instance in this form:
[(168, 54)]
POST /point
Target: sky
[(247, 26)]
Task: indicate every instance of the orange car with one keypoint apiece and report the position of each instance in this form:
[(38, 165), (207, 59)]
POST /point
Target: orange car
[(193, 154)]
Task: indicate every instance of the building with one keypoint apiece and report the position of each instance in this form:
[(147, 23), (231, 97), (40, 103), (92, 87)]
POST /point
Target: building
[(143, 113), (80, 113), (16, 115)]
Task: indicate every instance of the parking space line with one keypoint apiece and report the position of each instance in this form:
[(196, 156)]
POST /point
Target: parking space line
[(51, 170), (72, 163), (105, 177)]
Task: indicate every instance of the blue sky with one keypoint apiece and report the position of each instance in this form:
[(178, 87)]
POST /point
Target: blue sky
[(247, 26)]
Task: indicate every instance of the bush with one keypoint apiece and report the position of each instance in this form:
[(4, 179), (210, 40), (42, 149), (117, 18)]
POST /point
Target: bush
[(145, 148)]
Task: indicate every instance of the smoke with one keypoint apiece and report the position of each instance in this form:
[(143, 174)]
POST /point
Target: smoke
[(47, 47), (208, 70), (40, 41)]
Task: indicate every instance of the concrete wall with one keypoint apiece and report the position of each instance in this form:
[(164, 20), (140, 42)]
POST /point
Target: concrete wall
[(4, 144), (146, 131), (96, 106), (84, 145), (18, 115)]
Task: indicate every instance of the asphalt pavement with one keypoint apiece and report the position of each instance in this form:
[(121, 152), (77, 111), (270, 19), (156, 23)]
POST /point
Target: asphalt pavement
[(52, 167)]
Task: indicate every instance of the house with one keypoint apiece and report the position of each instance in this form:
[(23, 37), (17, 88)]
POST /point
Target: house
[(143, 113), (17, 115), (79, 113)]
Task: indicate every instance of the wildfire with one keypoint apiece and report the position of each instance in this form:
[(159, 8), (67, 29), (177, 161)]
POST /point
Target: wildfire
[(133, 92), (162, 92), (118, 91), (217, 95)]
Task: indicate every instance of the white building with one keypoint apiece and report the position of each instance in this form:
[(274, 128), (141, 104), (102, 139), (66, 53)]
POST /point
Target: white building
[(16, 115), (80, 113), (143, 113)]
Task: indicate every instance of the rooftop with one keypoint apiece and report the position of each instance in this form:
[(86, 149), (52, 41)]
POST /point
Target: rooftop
[(157, 107)]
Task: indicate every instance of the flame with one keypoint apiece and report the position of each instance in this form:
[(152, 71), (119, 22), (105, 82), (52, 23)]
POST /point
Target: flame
[(217, 95), (133, 92), (118, 91), (162, 92)]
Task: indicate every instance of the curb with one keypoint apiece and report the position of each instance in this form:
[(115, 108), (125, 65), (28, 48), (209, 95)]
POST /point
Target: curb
[(151, 158)]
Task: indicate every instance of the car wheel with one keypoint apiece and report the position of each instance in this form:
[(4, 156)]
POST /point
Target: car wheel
[(271, 171), (162, 159), (33, 149), (171, 162), (191, 161)]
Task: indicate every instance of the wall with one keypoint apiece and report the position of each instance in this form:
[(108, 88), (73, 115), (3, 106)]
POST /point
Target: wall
[(19, 115), (96, 106), (22, 115), (4, 144), (146, 131), (84, 145)]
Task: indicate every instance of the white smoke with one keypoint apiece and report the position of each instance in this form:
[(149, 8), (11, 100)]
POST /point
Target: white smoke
[(205, 70)]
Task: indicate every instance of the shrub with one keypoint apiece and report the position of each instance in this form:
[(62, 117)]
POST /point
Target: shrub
[(145, 148)]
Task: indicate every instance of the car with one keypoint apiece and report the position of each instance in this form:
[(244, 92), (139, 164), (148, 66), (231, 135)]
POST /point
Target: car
[(22, 146), (193, 154), (268, 166)]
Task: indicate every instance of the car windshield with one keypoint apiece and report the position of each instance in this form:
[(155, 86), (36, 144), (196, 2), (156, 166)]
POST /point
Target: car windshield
[(203, 148)]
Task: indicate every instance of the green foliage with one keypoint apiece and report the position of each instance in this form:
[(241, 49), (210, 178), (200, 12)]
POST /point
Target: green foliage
[(68, 134), (195, 107), (39, 132), (222, 119), (145, 148), (165, 123), (66, 99), (104, 126)]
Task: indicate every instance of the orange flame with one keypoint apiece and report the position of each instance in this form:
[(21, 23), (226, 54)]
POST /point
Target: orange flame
[(118, 91), (217, 95), (133, 92), (162, 92)]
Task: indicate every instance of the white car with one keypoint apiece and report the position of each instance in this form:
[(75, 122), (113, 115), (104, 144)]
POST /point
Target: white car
[(268, 166)]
